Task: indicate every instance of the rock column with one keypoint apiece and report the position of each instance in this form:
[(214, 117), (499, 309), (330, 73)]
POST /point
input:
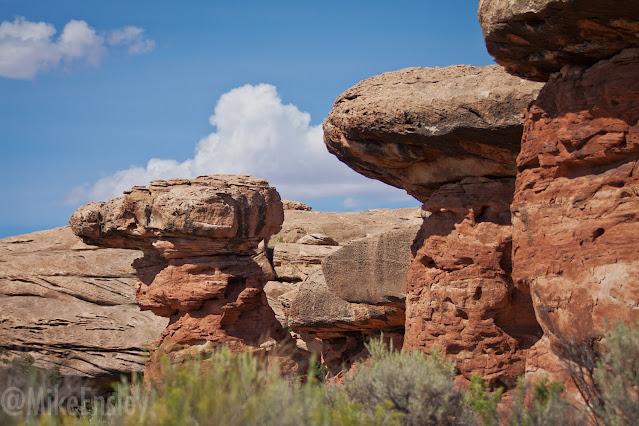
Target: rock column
[(450, 136), (202, 265), (576, 226)]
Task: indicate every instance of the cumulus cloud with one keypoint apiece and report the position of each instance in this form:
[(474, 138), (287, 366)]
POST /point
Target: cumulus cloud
[(255, 134), (29, 48)]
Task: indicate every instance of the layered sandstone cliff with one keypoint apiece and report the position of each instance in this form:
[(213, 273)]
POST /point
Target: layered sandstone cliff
[(72, 306)]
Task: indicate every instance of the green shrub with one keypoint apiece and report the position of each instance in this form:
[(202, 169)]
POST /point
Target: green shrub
[(607, 376), (482, 401), (420, 390), (542, 403), (238, 389), (19, 376)]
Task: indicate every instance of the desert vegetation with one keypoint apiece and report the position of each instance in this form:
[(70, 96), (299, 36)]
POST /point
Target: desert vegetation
[(391, 387)]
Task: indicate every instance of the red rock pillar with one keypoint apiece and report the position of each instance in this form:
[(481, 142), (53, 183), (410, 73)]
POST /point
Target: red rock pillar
[(461, 300), (576, 204)]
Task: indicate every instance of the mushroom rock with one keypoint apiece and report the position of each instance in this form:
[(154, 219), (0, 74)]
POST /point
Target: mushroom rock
[(450, 137), (202, 266), (535, 38), (576, 203), (420, 128)]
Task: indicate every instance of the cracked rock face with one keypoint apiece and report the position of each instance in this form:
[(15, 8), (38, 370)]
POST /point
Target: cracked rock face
[(535, 38), (201, 266), (420, 128), (343, 327), (576, 204), (72, 306)]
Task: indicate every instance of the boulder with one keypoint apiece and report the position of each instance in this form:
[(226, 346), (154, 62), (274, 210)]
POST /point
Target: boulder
[(201, 266), (420, 128), (535, 38), (317, 240), (279, 296), (295, 262), (372, 269), (343, 327), (576, 203), (72, 306), (295, 205)]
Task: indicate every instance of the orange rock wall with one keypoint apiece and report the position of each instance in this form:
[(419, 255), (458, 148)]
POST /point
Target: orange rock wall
[(576, 204), (461, 300)]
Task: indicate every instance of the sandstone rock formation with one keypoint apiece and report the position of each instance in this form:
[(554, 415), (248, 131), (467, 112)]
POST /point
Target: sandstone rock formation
[(461, 299), (296, 261), (296, 254), (295, 205), (201, 265), (72, 306), (450, 137), (420, 128), (342, 327), (372, 269), (344, 227), (535, 38), (575, 211), (364, 296)]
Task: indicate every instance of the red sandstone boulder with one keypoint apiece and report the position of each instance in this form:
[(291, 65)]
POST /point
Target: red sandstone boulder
[(201, 267), (535, 38)]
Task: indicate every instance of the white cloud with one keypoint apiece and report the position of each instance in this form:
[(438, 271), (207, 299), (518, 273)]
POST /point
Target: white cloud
[(132, 37), (29, 48), (255, 134)]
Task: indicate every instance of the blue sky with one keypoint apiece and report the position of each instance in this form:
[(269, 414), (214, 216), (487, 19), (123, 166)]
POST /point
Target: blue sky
[(206, 86)]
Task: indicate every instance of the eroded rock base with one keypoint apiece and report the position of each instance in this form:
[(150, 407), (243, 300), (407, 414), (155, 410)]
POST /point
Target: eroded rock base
[(461, 298)]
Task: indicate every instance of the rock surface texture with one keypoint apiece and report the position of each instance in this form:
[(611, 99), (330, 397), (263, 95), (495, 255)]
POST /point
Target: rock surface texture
[(450, 137), (201, 267), (363, 294), (461, 299), (420, 128), (576, 206), (72, 306), (535, 38)]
